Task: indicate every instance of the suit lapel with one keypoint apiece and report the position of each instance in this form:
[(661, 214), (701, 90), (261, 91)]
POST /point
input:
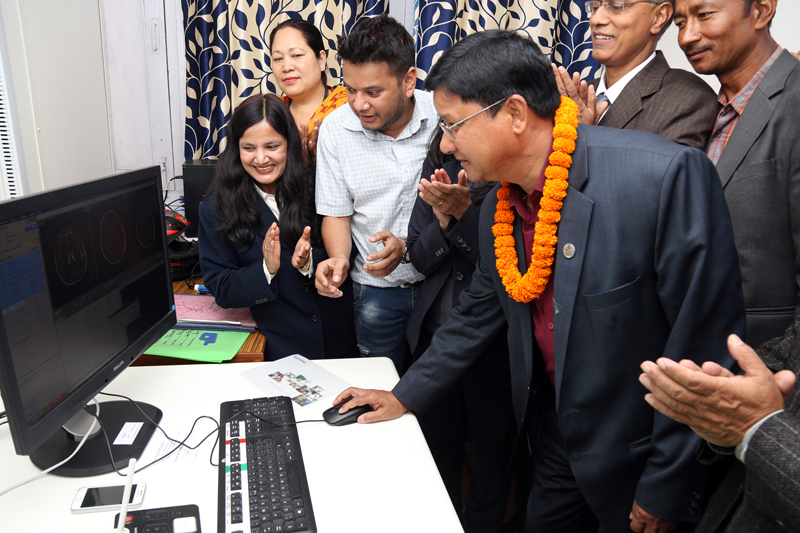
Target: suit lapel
[(629, 102), (755, 117), (573, 228)]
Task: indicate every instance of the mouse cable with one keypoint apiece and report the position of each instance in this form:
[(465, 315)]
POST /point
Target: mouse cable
[(221, 426), (179, 443), (274, 424)]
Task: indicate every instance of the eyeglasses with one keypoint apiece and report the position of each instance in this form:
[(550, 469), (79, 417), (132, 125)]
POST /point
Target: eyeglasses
[(448, 130), (615, 7)]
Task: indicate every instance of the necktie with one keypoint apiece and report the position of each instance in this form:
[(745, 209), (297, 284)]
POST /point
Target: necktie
[(602, 98)]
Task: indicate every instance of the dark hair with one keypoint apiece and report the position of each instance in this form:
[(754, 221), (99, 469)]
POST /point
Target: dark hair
[(491, 65), (310, 33), (748, 7), (436, 159), (236, 202), (379, 39)]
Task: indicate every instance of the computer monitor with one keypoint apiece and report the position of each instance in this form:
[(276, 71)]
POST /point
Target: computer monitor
[(84, 290)]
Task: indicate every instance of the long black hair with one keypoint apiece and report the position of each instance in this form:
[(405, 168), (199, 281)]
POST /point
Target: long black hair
[(237, 204)]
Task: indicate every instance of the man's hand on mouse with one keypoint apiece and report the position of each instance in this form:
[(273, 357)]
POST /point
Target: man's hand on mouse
[(384, 404)]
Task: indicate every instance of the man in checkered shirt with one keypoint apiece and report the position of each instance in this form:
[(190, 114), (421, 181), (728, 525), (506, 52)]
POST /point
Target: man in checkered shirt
[(754, 147), (369, 156)]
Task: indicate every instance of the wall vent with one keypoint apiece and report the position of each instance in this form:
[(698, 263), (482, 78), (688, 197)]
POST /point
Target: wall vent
[(9, 164)]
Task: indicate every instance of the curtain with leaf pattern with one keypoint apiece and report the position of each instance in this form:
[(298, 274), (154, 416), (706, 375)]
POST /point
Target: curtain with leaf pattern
[(559, 27), (227, 55)]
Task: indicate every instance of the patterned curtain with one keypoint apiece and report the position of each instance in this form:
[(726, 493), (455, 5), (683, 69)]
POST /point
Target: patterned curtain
[(573, 36), (227, 55), (560, 27)]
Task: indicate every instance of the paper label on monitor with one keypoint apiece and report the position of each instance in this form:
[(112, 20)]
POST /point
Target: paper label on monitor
[(128, 433)]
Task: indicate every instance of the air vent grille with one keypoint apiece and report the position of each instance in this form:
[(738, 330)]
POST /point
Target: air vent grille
[(9, 164)]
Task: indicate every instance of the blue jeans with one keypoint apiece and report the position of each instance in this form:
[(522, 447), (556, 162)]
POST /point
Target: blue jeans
[(381, 315)]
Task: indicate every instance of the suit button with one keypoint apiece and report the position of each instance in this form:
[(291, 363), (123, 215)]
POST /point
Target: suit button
[(303, 289), (314, 318), (695, 504), (695, 495), (459, 239), (692, 512), (459, 276), (468, 248)]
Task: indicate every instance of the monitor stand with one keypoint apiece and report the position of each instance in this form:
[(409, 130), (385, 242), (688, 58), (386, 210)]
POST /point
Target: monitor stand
[(93, 458)]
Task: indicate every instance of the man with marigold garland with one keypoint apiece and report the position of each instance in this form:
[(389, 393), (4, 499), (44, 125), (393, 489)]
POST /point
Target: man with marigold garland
[(601, 248)]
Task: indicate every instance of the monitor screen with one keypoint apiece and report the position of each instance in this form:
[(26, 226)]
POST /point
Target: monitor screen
[(84, 290)]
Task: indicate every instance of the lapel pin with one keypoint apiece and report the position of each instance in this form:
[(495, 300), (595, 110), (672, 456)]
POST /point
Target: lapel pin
[(569, 250)]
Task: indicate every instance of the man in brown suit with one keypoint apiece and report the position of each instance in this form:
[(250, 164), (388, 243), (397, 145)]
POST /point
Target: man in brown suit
[(637, 89)]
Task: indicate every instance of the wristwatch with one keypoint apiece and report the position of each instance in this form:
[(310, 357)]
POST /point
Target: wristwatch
[(406, 256)]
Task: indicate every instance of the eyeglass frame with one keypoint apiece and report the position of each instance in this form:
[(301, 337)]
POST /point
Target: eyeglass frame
[(448, 130), (588, 6)]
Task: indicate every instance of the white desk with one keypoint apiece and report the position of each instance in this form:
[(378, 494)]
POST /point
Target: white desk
[(363, 478)]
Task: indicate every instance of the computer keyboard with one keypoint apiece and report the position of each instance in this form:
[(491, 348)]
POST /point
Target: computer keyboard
[(262, 480)]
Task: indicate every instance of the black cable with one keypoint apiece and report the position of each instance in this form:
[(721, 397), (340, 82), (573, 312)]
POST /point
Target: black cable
[(166, 189), (3, 414), (179, 443), (193, 278), (191, 430)]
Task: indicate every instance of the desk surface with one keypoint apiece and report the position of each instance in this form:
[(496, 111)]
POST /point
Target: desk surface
[(363, 478)]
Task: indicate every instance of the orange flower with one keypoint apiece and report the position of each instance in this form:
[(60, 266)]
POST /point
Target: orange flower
[(532, 284)]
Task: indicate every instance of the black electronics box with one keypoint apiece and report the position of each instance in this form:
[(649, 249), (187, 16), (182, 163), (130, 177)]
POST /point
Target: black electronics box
[(176, 519), (197, 176)]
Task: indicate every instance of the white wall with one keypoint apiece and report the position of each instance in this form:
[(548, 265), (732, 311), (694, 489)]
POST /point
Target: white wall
[(91, 87), (56, 58)]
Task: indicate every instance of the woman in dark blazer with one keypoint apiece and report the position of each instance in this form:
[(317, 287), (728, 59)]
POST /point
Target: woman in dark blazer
[(443, 245), (259, 237)]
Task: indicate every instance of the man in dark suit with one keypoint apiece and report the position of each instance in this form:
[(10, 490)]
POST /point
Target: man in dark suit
[(755, 416), (754, 147), (644, 264), (641, 90)]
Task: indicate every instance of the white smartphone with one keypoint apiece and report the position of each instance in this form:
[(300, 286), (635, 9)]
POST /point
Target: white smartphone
[(109, 498)]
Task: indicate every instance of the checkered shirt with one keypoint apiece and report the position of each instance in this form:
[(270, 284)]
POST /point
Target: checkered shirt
[(730, 112), (372, 178)]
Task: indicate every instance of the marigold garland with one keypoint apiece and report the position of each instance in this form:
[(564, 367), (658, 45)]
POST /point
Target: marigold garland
[(532, 284)]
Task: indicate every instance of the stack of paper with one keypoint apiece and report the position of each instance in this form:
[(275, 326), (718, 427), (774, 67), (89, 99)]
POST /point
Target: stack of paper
[(202, 312), (199, 345)]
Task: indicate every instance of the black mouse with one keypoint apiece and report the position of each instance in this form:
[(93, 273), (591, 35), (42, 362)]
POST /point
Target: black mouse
[(332, 416)]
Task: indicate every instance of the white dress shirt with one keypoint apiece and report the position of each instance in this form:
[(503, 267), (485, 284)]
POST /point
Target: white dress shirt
[(613, 92)]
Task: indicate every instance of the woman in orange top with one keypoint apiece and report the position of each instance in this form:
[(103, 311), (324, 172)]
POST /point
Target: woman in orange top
[(298, 62)]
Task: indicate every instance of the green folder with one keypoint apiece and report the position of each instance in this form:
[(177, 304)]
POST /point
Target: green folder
[(199, 345)]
